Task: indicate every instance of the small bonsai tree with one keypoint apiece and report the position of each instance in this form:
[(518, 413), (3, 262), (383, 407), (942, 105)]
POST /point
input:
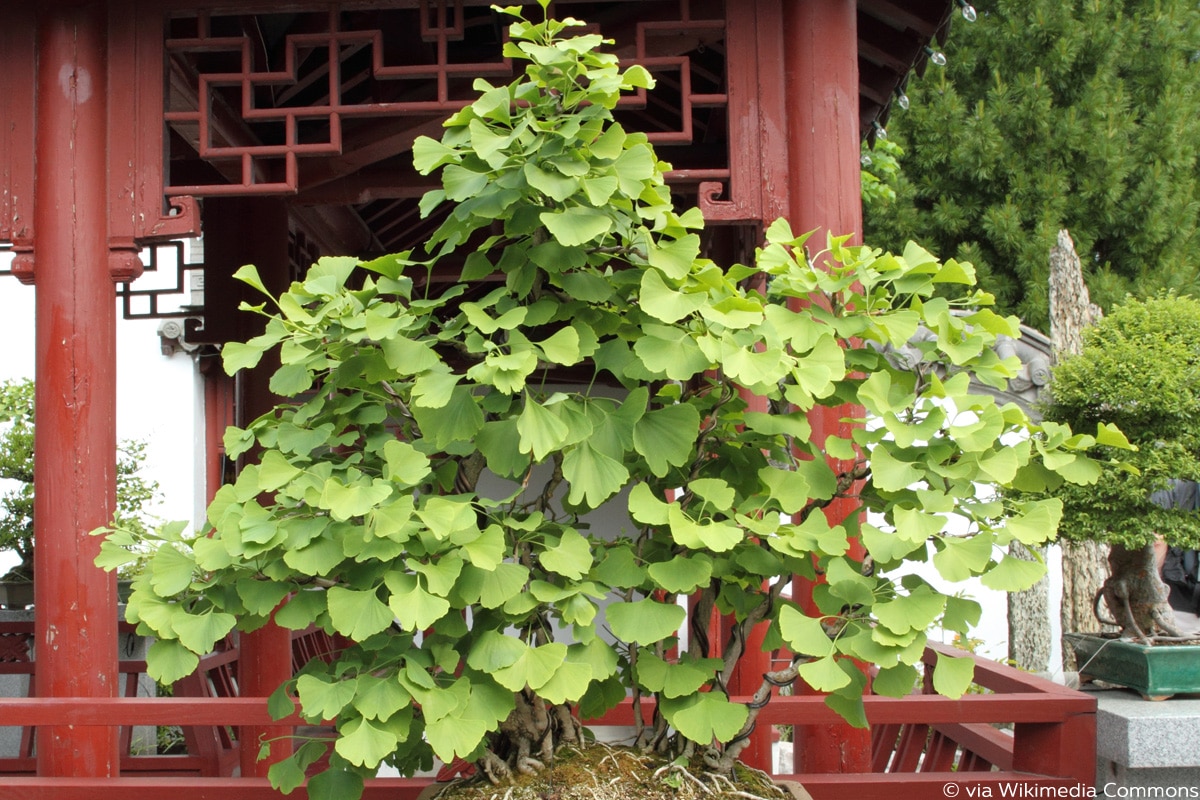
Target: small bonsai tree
[(134, 491), (1140, 370), (589, 362)]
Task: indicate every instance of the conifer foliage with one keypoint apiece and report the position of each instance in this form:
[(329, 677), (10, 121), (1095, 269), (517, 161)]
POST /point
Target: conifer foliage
[(1052, 114)]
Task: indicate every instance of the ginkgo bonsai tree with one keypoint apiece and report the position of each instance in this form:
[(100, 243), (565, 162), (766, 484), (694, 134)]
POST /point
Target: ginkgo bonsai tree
[(486, 624)]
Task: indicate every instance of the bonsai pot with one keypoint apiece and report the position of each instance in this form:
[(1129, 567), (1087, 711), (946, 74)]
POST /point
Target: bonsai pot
[(1156, 672), (16, 594)]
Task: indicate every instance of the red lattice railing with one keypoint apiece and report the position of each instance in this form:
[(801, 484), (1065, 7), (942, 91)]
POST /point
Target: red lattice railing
[(920, 743)]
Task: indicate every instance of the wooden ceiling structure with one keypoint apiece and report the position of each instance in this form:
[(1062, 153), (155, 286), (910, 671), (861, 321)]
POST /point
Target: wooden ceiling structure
[(283, 130)]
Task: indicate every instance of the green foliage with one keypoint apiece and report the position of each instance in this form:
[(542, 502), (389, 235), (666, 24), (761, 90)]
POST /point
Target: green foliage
[(16, 464), (1139, 370), (880, 173), (134, 492), (595, 370), (1052, 115)]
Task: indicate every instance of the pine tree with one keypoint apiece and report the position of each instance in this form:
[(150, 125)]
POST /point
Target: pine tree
[(1051, 114)]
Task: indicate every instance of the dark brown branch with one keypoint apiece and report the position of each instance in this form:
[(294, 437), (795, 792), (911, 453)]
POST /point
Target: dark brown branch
[(722, 761), (845, 481)]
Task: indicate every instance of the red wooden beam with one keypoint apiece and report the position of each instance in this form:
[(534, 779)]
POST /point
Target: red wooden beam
[(190, 788), (932, 709), (1042, 747), (985, 741), (998, 677), (115, 711), (868, 786)]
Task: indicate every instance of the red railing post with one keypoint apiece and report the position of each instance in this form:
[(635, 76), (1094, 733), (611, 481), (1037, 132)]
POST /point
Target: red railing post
[(1064, 749)]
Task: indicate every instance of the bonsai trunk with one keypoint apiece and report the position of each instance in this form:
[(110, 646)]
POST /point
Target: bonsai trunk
[(1136, 595), (527, 740), (22, 572)]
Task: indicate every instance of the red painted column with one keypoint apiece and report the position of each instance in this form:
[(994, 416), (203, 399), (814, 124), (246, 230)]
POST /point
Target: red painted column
[(249, 230), (755, 662), (75, 453), (824, 192), (821, 73)]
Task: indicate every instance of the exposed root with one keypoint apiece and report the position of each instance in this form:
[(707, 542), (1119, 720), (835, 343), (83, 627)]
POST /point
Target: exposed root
[(675, 769), (763, 778), (719, 779), (528, 739), (494, 768), (570, 729), (529, 766), (1136, 596), (716, 784)]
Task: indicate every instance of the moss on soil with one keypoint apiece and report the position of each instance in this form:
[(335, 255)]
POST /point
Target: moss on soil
[(600, 772)]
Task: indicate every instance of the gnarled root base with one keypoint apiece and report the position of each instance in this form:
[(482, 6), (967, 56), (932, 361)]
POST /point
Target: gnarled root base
[(1136, 596), (528, 739)]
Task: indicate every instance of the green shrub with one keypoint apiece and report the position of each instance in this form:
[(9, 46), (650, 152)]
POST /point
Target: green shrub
[(1139, 370), (134, 491)]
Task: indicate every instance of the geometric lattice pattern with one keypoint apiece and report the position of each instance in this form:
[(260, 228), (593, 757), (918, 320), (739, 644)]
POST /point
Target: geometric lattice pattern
[(258, 93), (164, 287), (15, 647), (259, 97), (172, 284)]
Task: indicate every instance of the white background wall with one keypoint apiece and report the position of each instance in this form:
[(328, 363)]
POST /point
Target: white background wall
[(158, 399)]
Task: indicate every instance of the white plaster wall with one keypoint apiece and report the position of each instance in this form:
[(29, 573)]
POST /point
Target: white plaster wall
[(159, 399), (992, 630)]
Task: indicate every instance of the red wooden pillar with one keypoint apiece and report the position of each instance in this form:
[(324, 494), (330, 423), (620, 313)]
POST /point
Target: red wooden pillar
[(748, 675), (824, 192), (821, 74), (218, 415), (250, 230), (75, 454), (758, 160)]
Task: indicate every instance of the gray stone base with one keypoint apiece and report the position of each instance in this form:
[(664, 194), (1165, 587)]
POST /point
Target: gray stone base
[(1146, 743)]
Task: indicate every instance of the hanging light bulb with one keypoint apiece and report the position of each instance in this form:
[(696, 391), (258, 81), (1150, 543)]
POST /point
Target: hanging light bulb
[(936, 56), (880, 131), (968, 11), (865, 160), (901, 98)]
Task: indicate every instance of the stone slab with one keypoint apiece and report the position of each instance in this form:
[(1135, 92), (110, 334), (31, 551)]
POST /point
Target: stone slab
[(1147, 734)]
